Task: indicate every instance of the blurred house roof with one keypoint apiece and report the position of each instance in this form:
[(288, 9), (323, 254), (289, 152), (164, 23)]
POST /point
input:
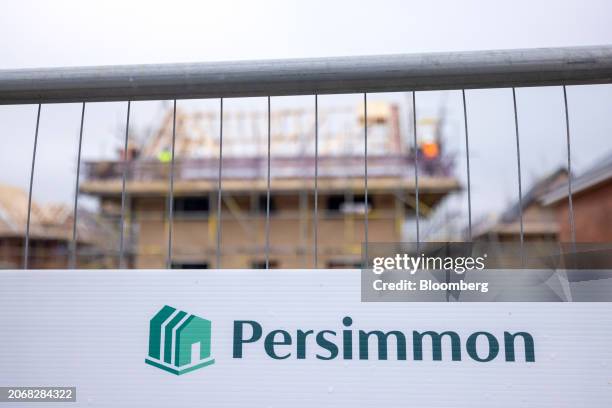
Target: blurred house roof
[(593, 177), (536, 223), (534, 194), (47, 222), (339, 158), (292, 132), (14, 212)]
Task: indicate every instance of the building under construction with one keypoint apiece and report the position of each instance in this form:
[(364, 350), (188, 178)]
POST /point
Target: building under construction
[(244, 164)]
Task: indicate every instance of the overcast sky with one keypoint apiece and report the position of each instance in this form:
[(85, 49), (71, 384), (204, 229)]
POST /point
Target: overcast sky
[(72, 33)]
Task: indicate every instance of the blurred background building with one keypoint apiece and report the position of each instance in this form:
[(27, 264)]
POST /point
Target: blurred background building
[(51, 232), (391, 206), (341, 189), (591, 205), (546, 210)]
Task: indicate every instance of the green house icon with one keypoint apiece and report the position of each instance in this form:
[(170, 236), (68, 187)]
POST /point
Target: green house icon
[(179, 342)]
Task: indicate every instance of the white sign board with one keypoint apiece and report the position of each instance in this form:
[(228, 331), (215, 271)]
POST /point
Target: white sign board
[(289, 338)]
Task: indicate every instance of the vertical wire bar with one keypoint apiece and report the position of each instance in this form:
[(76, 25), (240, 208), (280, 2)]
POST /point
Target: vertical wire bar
[(219, 201), (569, 169), (316, 184), (171, 192), (467, 157), (123, 192), (518, 162), (416, 165), (268, 196), (365, 174), (26, 252), (73, 243)]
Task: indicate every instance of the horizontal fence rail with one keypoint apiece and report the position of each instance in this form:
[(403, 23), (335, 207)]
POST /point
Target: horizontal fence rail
[(384, 73), (391, 73)]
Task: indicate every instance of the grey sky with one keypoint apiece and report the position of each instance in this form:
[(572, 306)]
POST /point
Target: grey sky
[(70, 33)]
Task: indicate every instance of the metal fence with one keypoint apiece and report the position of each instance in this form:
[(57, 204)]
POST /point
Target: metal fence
[(391, 73)]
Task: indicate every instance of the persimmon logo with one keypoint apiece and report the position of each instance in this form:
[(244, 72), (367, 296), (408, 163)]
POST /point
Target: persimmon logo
[(179, 342)]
